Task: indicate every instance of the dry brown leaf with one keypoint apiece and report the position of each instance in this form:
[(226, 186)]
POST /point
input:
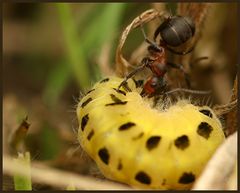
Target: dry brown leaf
[(230, 110), (217, 172), (18, 136)]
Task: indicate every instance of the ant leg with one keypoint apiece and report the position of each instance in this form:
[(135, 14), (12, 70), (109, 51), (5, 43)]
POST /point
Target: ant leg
[(180, 53), (131, 74), (200, 92), (143, 93), (180, 67)]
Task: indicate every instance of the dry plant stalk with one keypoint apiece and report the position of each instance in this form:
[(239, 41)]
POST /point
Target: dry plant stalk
[(230, 110), (18, 136), (57, 178), (231, 118), (121, 63), (220, 168)]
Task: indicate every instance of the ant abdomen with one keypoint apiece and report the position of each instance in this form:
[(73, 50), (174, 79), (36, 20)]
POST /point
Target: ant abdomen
[(176, 30)]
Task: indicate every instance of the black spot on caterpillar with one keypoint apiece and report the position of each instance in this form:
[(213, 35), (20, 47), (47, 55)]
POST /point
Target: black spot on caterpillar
[(120, 166), (90, 135), (126, 126), (117, 103), (116, 100), (204, 130), (104, 155), (163, 182), (84, 121), (120, 91), (186, 178), (90, 91), (143, 178), (138, 83), (153, 142), (182, 142), (86, 102), (206, 112), (104, 80), (126, 87)]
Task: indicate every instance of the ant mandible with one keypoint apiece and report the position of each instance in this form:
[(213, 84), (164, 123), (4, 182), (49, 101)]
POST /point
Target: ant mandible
[(174, 31)]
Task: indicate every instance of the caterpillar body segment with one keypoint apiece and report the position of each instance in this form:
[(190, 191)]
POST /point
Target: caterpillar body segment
[(143, 146)]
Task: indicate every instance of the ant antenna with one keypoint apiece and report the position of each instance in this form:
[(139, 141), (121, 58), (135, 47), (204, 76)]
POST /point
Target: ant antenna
[(131, 74), (152, 43)]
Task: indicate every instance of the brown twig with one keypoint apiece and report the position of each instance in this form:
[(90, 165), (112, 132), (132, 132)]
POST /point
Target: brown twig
[(57, 178), (224, 109)]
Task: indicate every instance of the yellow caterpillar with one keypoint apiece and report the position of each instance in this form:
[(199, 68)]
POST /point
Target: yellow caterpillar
[(145, 147)]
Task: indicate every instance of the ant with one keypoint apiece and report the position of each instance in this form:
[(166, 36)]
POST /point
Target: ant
[(174, 31)]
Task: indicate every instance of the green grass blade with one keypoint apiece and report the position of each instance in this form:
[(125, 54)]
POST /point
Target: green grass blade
[(103, 27), (51, 142), (23, 182), (101, 30), (75, 53), (57, 81)]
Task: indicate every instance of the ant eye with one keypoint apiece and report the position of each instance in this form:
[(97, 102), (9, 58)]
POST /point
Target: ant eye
[(160, 49), (154, 81)]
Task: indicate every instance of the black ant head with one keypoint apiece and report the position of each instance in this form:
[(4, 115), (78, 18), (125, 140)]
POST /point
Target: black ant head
[(154, 48)]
